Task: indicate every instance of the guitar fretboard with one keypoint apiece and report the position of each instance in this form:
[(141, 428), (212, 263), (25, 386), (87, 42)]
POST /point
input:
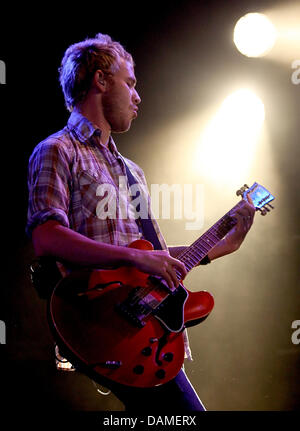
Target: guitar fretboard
[(193, 254)]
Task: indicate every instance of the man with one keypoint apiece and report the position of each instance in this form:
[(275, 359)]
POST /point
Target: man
[(65, 171)]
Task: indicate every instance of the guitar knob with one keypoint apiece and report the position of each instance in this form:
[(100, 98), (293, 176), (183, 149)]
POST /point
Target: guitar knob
[(160, 374), (146, 351), (138, 369), (168, 356)]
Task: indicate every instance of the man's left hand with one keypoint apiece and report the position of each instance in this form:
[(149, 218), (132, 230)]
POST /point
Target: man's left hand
[(244, 214)]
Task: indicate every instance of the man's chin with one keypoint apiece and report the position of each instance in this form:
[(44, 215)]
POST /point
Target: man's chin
[(122, 129)]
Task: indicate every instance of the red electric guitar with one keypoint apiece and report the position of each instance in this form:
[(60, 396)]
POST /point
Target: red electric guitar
[(126, 326)]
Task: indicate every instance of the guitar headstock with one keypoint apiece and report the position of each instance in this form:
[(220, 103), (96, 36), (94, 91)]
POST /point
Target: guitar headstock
[(260, 196)]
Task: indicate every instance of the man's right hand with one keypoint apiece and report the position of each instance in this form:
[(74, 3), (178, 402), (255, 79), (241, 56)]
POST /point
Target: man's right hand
[(159, 262)]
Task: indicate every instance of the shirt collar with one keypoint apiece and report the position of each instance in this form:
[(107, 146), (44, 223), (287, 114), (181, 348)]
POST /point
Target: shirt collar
[(85, 130), (82, 127)]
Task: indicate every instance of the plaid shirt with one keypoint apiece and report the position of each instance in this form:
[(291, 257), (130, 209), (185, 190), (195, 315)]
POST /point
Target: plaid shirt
[(65, 171)]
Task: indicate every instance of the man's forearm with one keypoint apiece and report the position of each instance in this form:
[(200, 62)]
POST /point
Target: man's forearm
[(221, 249), (53, 239), (66, 245)]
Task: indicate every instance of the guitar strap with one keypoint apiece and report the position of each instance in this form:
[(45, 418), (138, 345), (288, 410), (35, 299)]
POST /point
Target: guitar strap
[(146, 224), (147, 227)]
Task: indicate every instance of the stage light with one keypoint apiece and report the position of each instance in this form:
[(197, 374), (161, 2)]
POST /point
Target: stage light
[(254, 35), (227, 145), (286, 19)]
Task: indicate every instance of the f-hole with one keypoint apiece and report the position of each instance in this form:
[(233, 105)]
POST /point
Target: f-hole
[(161, 343)]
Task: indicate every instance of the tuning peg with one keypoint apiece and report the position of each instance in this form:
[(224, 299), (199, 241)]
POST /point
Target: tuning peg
[(242, 190), (263, 211)]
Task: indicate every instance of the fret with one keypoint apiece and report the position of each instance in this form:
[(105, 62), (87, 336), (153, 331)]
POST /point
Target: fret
[(190, 259), (205, 245), (220, 234), (200, 248), (208, 241), (199, 253), (215, 237), (212, 238)]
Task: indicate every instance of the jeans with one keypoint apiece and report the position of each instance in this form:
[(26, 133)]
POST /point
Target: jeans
[(174, 396)]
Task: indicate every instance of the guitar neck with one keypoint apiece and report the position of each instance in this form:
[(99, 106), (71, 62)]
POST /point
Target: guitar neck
[(193, 254)]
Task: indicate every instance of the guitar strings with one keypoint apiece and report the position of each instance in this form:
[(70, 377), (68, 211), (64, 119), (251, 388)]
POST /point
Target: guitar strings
[(224, 222), (196, 248), (218, 231)]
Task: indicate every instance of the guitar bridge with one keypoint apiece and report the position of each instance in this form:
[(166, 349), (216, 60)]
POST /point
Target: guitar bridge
[(135, 308)]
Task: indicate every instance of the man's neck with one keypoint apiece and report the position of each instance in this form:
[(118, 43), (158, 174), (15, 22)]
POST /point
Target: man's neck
[(95, 117)]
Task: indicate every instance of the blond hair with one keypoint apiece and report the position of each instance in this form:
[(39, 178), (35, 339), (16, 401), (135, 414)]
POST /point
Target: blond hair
[(82, 59)]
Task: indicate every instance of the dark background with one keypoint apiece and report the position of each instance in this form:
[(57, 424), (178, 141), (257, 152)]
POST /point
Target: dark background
[(243, 355)]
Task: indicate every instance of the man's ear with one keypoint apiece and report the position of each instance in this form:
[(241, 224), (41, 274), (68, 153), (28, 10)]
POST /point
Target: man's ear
[(100, 80)]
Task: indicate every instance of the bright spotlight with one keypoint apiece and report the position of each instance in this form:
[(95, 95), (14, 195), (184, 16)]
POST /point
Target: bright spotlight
[(254, 35), (227, 145)]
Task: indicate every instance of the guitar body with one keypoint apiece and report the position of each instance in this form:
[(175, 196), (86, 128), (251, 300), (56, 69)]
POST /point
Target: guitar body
[(127, 327), (120, 326)]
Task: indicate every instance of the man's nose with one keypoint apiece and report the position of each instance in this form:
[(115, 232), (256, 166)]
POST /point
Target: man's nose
[(136, 97)]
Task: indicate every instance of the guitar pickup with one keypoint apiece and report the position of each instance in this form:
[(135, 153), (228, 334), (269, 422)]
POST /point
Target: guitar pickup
[(133, 313)]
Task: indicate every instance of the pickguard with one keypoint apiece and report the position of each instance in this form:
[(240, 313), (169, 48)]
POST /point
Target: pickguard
[(171, 311)]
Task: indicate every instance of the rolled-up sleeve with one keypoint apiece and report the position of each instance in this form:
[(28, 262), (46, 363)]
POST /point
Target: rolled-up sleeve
[(49, 182)]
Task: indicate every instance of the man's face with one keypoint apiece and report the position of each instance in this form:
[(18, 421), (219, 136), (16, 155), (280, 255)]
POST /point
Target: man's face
[(121, 98)]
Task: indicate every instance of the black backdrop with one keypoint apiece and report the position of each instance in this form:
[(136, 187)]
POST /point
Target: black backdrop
[(32, 44)]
